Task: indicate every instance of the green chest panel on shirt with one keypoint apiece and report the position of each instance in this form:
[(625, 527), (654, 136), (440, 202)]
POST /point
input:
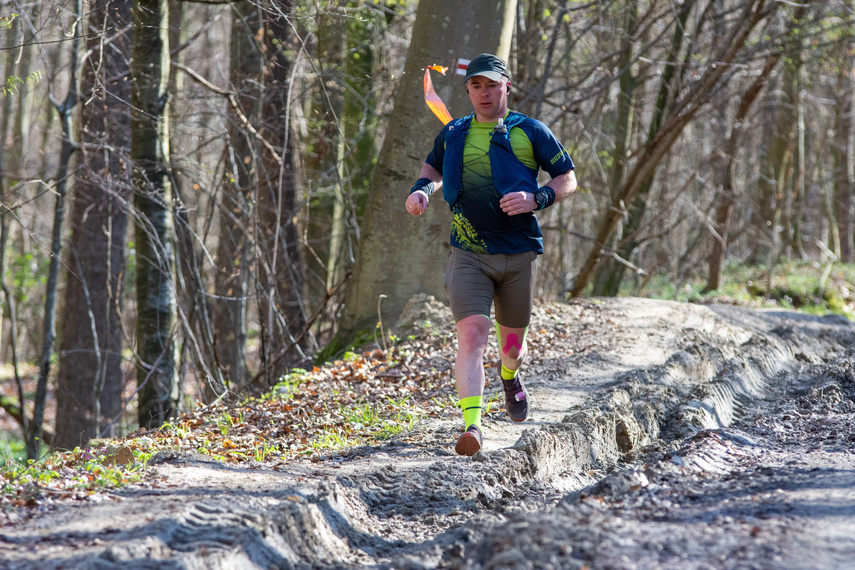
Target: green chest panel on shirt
[(478, 219)]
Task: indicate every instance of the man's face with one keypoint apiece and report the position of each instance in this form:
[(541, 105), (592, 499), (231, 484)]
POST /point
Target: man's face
[(489, 98)]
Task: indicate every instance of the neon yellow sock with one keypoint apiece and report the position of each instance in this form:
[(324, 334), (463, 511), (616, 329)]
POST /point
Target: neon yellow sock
[(471, 407), (508, 374)]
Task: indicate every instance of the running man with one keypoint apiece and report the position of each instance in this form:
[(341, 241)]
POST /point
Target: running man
[(486, 165)]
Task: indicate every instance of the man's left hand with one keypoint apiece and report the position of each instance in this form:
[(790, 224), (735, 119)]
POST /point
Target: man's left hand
[(518, 203)]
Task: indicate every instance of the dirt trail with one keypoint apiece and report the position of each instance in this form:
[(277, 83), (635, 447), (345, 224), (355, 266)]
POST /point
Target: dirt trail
[(664, 435)]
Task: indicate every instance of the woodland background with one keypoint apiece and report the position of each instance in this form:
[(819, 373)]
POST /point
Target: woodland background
[(198, 196)]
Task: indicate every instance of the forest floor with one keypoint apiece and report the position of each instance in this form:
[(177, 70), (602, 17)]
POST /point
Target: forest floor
[(662, 435)]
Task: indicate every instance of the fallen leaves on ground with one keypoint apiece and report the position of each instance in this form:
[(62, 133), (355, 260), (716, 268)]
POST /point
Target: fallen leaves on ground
[(362, 399)]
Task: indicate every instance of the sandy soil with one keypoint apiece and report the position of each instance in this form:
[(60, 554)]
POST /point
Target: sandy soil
[(663, 435)]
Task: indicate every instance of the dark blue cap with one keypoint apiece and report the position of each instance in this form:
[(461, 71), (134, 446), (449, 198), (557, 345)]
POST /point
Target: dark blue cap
[(489, 66)]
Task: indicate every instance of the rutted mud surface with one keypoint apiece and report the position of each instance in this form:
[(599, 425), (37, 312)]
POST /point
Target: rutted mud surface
[(664, 435)]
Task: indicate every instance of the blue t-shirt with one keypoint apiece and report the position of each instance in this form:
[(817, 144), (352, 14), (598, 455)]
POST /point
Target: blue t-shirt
[(479, 224)]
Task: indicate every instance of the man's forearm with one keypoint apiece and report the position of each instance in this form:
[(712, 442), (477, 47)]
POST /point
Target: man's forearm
[(563, 185), (432, 174)]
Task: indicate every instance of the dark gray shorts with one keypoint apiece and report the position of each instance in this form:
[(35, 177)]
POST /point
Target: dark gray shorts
[(474, 281)]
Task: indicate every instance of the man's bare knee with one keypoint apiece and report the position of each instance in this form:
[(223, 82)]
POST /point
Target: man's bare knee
[(472, 332)]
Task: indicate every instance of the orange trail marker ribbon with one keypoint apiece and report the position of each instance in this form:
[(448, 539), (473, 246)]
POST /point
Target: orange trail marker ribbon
[(432, 99)]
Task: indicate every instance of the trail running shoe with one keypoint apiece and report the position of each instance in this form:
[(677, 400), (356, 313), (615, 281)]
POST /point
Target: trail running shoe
[(516, 398), (470, 442)]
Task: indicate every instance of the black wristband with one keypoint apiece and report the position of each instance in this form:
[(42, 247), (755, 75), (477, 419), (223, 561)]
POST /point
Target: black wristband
[(424, 184), (549, 193)]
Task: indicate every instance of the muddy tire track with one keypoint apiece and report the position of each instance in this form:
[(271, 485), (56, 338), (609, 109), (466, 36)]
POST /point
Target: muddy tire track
[(620, 480)]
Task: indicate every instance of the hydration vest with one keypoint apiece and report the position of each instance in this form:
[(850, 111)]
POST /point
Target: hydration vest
[(508, 172)]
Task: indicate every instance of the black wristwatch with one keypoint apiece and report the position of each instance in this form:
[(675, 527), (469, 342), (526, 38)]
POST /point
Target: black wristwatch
[(541, 197)]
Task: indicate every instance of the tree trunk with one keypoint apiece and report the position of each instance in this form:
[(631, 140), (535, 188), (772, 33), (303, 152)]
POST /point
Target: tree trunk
[(770, 184), (18, 412), (154, 232), (26, 97), (844, 155), (607, 280), (64, 110), (329, 131), (233, 265), (281, 269), (358, 146), (528, 81), (401, 255), (194, 302), (89, 379), (14, 134), (797, 183), (722, 170), (8, 300), (790, 124)]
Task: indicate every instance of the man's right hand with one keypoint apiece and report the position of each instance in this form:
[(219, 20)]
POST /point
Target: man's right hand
[(417, 203)]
